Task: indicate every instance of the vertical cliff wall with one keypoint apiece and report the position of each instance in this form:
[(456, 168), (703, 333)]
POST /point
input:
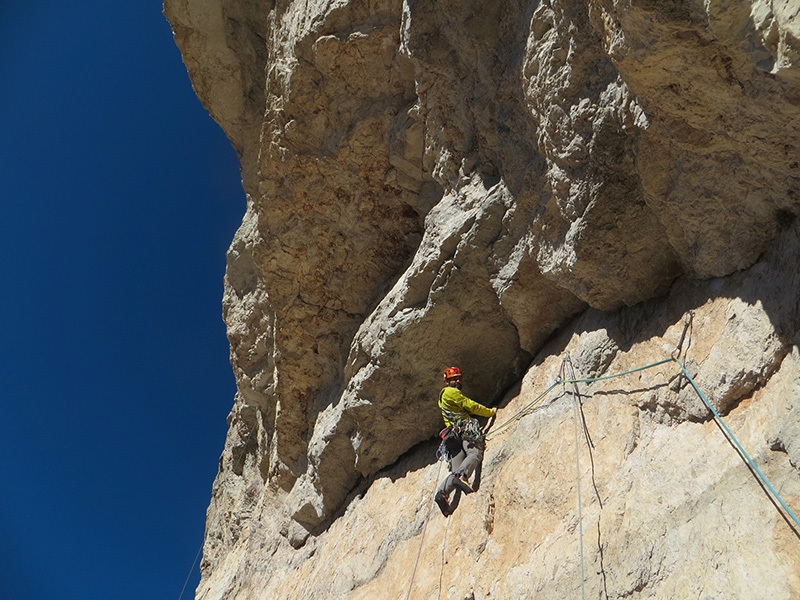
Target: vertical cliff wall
[(493, 185)]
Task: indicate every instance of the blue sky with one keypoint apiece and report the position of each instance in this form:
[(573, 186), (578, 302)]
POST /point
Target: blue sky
[(119, 198)]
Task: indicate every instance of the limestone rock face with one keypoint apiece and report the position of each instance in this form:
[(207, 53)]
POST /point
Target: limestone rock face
[(495, 184)]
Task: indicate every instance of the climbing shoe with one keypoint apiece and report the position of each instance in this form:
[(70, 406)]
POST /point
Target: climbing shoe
[(461, 483), (444, 505)]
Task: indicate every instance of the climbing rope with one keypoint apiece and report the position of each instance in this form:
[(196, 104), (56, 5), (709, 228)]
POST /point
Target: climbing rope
[(570, 378), (525, 410), (185, 583), (576, 412), (424, 527), (732, 438), (688, 318), (615, 375), (444, 558), (672, 359), (528, 408)]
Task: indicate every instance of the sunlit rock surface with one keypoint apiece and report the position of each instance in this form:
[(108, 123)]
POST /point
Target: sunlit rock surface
[(496, 184)]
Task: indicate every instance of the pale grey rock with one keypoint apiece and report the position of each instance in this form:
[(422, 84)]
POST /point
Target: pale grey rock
[(435, 183), (717, 168)]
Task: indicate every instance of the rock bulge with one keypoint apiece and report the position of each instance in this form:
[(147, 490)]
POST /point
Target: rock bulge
[(435, 183)]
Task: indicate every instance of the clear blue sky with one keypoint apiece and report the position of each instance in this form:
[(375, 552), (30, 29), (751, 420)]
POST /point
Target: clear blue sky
[(119, 198)]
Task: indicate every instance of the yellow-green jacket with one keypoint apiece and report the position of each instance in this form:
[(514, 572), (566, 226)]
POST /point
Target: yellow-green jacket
[(456, 406)]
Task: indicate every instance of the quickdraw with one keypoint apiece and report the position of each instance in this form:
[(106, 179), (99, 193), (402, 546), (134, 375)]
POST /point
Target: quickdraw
[(470, 430)]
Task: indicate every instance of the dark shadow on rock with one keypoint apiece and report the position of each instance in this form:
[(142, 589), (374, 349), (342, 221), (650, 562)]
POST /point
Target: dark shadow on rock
[(476, 483)]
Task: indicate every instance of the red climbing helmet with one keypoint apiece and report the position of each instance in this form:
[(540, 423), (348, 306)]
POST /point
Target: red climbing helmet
[(451, 372)]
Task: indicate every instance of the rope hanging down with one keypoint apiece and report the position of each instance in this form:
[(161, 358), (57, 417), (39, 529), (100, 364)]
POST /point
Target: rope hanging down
[(562, 380), (688, 319), (424, 527), (673, 359), (185, 583), (576, 418), (732, 438)]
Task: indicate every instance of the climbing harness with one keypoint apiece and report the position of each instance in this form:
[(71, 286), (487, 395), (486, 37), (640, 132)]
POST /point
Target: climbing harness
[(449, 446)]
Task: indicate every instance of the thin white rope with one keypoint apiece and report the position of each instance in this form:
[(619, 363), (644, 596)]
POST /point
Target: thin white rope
[(185, 583), (577, 416), (424, 527)]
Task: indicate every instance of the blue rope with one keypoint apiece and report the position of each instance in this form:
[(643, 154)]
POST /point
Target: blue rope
[(732, 437), (700, 393)]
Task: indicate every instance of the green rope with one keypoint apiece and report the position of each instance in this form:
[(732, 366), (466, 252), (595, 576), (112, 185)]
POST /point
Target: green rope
[(529, 407), (739, 447), (524, 411), (593, 379)]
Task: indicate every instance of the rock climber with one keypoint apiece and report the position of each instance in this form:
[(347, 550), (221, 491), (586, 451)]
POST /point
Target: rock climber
[(462, 436)]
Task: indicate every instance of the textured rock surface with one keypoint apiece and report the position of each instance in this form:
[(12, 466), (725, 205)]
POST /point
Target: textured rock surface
[(434, 183)]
